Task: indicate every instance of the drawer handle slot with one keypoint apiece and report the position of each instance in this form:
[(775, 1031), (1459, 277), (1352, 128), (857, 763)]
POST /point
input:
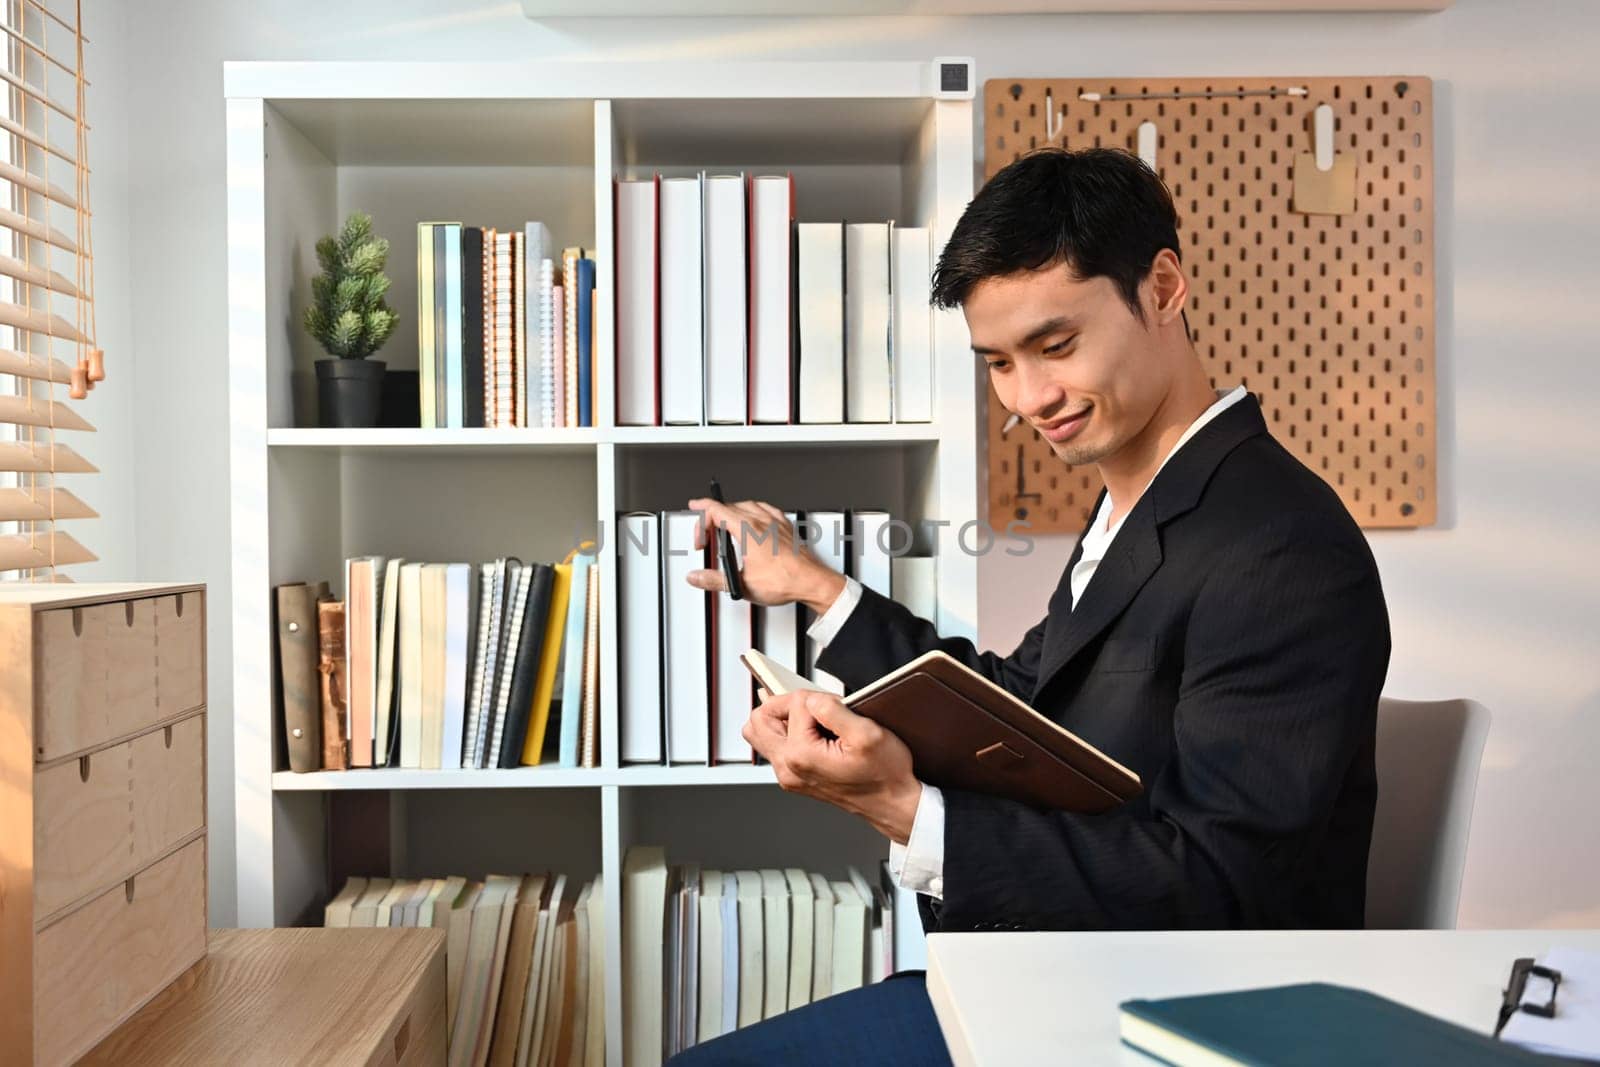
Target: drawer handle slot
[(83, 768), (179, 599), (402, 1039), (77, 622), (127, 610), (127, 889), (166, 736)]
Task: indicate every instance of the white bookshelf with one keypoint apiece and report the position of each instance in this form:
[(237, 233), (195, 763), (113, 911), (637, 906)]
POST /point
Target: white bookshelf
[(498, 145)]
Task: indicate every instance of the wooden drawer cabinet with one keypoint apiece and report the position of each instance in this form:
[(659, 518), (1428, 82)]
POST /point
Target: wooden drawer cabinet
[(102, 828)]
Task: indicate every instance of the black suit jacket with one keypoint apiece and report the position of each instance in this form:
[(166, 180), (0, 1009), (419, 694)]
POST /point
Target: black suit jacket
[(1230, 650)]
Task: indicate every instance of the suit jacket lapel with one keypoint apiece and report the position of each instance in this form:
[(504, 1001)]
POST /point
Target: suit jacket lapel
[(1135, 552)]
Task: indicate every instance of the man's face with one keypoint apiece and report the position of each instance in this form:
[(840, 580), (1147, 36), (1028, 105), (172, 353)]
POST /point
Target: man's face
[(1070, 357)]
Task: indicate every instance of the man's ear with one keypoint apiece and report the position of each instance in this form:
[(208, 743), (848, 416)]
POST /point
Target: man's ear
[(1168, 288)]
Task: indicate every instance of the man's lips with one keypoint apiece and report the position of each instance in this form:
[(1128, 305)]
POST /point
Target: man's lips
[(1059, 430)]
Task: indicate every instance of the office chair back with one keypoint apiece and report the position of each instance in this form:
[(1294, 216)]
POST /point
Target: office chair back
[(1427, 762)]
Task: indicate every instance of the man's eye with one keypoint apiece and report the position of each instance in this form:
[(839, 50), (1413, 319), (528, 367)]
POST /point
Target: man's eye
[(1059, 346), (998, 364)]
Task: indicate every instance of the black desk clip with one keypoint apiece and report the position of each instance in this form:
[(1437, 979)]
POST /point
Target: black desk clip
[(1517, 985)]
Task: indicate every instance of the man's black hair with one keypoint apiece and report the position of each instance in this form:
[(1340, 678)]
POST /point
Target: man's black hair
[(1100, 212)]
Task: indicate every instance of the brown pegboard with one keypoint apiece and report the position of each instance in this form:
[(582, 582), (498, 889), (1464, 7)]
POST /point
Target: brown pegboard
[(1329, 319)]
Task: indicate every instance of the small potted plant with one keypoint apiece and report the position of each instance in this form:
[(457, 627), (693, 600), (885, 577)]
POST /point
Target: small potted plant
[(351, 320)]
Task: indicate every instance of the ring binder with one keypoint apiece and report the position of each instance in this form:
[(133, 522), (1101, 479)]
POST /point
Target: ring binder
[(1516, 986)]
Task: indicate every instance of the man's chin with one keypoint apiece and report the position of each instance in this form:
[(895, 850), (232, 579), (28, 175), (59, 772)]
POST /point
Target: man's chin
[(1075, 454)]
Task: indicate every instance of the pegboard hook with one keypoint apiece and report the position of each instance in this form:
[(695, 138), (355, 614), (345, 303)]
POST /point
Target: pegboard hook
[(1053, 123)]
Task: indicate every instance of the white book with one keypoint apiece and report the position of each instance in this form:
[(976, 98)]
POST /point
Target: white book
[(338, 910), (875, 931), (543, 936), (822, 930), (410, 663), (388, 665), (888, 898), (709, 1022), (519, 325), (689, 945), (639, 637), (752, 949), (821, 288), (389, 907), (436, 889), (726, 321), (849, 937), (779, 627), (914, 583), (454, 353), (684, 647), (538, 249), (460, 623), (682, 308), (361, 621), (729, 1017), (826, 534), (802, 936), (644, 908), (775, 941), (734, 695), (771, 271), (867, 391), (870, 546), (435, 658), (544, 1004), (636, 301), (911, 328)]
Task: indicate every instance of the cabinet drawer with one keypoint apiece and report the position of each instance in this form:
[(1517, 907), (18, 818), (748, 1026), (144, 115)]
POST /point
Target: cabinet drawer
[(99, 818), (97, 965), (169, 800), (180, 651), (96, 677), (82, 827)]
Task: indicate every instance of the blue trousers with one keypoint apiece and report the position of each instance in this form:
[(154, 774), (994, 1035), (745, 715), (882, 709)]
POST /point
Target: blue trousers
[(887, 1024)]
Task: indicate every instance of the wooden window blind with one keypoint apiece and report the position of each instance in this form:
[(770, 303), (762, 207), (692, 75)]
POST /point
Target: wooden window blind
[(48, 354)]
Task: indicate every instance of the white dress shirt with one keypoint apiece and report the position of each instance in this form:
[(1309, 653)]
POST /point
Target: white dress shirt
[(918, 865)]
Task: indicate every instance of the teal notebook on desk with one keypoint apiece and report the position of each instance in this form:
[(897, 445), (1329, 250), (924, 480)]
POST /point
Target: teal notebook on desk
[(1312, 1025)]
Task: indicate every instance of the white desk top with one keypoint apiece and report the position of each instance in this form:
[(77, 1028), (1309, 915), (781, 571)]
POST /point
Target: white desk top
[(1023, 998)]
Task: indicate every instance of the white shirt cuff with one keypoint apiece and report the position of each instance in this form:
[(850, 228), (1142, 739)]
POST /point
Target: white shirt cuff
[(918, 865), (829, 623)]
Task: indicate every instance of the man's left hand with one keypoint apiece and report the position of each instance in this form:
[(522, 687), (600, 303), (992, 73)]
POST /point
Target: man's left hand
[(822, 749)]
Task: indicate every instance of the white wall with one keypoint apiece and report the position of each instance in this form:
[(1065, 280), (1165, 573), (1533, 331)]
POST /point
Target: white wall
[(1494, 603)]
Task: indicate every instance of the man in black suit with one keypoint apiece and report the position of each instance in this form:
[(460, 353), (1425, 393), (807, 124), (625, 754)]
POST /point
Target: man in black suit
[(1220, 630)]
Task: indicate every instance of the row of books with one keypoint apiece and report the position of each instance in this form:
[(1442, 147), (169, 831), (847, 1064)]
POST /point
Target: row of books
[(707, 952), (525, 961), (505, 328), (729, 311), (685, 696), (443, 665)]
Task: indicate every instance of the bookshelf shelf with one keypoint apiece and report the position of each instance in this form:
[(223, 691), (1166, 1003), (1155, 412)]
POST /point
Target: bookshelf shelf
[(499, 145), (390, 778), (403, 441)]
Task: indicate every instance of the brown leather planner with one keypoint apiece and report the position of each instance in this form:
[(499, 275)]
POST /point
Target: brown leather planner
[(965, 732), (297, 660), (332, 670)]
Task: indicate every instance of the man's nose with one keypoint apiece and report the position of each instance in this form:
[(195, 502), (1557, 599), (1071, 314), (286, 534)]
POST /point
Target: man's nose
[(1037, 394)]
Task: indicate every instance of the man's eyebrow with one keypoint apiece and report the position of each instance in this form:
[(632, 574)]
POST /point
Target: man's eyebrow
[(1049, 326)]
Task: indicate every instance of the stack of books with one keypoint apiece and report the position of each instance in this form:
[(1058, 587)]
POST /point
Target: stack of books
[(525, 960), (505, 328), (729, 311), (708, 951), (448, 666), (685, 696)]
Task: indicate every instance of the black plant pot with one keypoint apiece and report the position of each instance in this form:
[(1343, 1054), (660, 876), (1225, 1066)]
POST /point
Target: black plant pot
[(349, 392)]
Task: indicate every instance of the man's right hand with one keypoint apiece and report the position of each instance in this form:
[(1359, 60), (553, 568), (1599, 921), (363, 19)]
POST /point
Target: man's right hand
[(775, 567)]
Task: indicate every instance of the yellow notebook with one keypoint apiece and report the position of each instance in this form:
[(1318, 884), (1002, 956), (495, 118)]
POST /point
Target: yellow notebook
[(549, 657)]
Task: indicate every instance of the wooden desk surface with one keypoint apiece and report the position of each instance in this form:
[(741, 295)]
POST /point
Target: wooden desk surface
[(1010, 998), (344, 996)]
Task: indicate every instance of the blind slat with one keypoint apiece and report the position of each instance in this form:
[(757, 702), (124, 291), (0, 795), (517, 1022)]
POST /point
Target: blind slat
[(16, 129), (39, 368), (44, 505), (37, 229), (34, 274), (19, 411), (37, 320), (33, 182), (38, 93), (41, 457), (22, 552)]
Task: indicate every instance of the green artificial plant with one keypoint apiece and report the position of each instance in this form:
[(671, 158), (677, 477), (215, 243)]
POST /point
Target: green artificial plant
[(348, 314)]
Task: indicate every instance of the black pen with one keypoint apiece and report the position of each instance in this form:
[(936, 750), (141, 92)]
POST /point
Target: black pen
[(730, 565)]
